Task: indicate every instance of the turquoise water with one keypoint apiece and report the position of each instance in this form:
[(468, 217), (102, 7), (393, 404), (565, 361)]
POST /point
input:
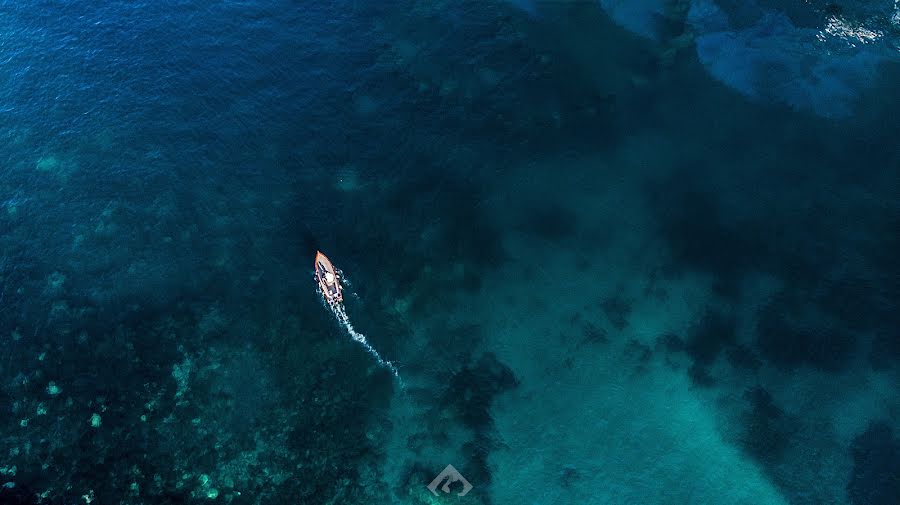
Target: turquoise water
[(618, 253)]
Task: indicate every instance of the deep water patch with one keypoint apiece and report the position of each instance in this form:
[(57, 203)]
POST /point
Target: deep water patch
[(617, 308), (472, 390), (876, 467), (767, 430), (701, 237), (789, 340), (549, 221), (709, 337)]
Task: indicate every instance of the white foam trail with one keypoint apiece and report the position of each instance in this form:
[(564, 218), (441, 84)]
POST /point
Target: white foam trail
[(346, 282), (338, 309)]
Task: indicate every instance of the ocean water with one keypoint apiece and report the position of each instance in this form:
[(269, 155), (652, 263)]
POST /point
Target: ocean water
[(591, 252)]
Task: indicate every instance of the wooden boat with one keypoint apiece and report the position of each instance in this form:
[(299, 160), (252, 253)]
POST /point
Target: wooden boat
[(328, 279)]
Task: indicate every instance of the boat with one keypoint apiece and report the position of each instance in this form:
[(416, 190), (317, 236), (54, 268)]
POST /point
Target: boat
[(328, 279)]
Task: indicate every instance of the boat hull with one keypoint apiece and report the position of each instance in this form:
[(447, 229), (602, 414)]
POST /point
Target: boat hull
[(328, 279)]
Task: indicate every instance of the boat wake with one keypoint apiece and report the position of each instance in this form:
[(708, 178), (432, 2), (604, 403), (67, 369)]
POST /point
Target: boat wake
[(330, 285), (337, 308)]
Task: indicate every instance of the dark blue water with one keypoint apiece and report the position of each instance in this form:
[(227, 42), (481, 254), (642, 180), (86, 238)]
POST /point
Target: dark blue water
[(619, 253)]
